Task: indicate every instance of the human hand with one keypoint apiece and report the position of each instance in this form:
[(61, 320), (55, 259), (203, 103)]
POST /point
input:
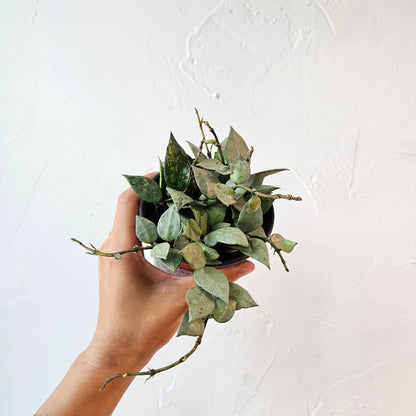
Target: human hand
[(140, 306), (140, 310)]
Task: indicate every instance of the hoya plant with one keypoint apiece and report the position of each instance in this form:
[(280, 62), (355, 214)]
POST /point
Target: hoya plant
[(205, 210)]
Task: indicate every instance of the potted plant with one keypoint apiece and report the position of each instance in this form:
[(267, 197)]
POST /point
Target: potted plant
[(203, 212)]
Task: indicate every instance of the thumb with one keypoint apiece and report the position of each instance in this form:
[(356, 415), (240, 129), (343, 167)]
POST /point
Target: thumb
[(235, 271)]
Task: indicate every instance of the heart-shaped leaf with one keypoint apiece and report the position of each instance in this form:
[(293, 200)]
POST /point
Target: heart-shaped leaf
[(177, 166), (200, 303), (194, 328), (278, 242), (173, 260), (179, 198), (229, 235), (194, 255), (181, 242), (146, 230), (241, 296), (223, 312), (169, 224), (216, 214), (145, 188), (160, 251), (212, 281), (225, 194), (192, 230), (233, 145), (206, 181), (210, 253), (251, 216), (258, 250)]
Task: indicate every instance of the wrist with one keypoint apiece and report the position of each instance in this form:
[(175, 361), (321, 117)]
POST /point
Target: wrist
[(118, 358)]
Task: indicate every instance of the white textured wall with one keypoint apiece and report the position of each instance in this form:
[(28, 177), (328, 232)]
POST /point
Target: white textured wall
[(90, 90)]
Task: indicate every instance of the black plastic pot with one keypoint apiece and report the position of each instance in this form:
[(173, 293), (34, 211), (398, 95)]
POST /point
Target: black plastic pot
[(150, 211)]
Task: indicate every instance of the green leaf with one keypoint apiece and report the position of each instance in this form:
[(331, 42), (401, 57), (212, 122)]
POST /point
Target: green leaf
[(256, 179), (212, 281), (278, 242), (240, 170), (223, 312), (192, 230), (266, 189), (194, 328), (241, 296), (194, 255), (229, 235), (233, 145), (211, 164), (216, 214), (258, 233), (177, 166), (179, 198), (162, 182), (225, 194), (145, 188), (146, 230), (239, 191), (210, 253), (173, 260), (195, 150), (266, 204), (239, 205), (251, 216), (214, 262), (181, 242), (206, 181), (201, 217), (160, 251), (200, 303), (258, 250), (220, 225), (169, 224), (288, 246)]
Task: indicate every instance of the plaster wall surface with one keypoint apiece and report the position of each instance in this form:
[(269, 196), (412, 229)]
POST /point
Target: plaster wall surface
[(90, 90)]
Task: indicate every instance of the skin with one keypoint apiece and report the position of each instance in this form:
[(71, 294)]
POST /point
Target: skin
[(140, 310)]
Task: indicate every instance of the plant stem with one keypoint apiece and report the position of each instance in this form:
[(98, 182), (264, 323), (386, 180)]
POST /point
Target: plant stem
[(95, 252), (152, 372), (282, 259), (200, 121), (218, 142), (275, 196)]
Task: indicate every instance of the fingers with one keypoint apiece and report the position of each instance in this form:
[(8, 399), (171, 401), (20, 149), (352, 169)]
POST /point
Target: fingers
[(235, 271), (124, 228)]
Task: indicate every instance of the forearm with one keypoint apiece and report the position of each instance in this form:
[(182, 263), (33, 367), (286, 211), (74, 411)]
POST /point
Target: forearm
[(79, 391)]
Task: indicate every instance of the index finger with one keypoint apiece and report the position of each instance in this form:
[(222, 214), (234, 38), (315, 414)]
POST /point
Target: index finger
[(124, 228)]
